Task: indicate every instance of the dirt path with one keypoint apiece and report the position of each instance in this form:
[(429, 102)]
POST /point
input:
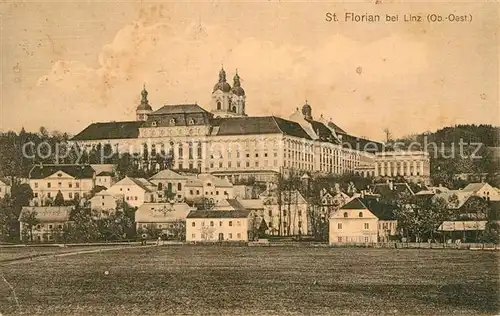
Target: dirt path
[(46, 256)]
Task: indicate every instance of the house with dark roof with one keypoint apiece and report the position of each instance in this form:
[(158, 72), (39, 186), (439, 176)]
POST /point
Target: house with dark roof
[(72, 180), (50, 221), (220, 226), (353, 223), (227, 143)]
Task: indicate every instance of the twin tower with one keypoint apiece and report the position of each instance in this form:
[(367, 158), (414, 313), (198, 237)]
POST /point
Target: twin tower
[(227, 101)]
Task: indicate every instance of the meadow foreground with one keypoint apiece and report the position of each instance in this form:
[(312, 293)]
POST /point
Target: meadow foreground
[(201, 280)]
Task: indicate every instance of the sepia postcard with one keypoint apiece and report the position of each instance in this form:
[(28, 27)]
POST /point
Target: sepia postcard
[(249, 157)]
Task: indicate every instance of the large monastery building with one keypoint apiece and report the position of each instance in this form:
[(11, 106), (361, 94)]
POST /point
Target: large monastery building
[(227, 143)]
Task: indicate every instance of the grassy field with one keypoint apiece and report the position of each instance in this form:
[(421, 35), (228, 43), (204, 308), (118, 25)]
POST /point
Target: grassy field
[(255, 281)]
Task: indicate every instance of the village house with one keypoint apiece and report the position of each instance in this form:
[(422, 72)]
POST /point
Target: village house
[(136, 191), (169, 218), (104, 179), (213, 226), (483, 190), (209, 187), (105, 201), (50, 220), (288, 218), (170, 185), (73, 181), (5, 187), (353, 223)]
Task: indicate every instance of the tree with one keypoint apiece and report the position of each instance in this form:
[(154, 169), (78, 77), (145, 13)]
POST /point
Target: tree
[(29, 220), (59, 200)]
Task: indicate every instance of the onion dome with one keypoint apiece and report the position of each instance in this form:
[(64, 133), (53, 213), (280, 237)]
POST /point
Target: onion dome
[(307, 111), (237, 89), (222, 85), (144, 101)]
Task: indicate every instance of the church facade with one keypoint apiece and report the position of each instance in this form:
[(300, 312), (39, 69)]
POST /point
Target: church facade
[(226, 142)]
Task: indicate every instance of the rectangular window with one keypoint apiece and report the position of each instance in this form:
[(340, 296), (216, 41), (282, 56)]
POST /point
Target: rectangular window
[(270, 225), (48, 194), (230, 236), (193, 224), (220, 164), (77, 184), (238, 235), (238, 164), (36, 194), (216, 192), (339, 239), (230, 223), (339, 225), (238, 223), (256, 164), (191, 192), (59, 184), (197, 192), (36, 185), (70, 185), (220, 223), (70, 195), (211, 223), (48, 184), (248, 164), (193, 236), (367, 226), (229, 164), (366, 239)]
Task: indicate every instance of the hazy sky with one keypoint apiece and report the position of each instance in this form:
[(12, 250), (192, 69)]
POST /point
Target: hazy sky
[(65, 66)]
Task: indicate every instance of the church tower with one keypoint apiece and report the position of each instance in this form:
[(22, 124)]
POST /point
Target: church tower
[(238, 101), (227, 101), (144, 108)]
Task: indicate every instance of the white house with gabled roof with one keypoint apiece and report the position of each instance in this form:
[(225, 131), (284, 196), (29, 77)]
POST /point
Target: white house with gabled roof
[(136, 191), (353, 223)]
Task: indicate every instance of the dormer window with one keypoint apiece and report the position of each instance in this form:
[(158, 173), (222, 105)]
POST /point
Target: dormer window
[(59, 174), (191, 122), (172, 121), (345, 214), (360, 214), (154, 123)]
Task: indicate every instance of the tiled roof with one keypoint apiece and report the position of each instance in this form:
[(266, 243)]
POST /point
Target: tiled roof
[(144, 184), (323, 132), (219, 214), (201, 178), (258, 125), (76, 171), (336, 128), (362, 144), (105, 174), (382, 211), (473, 187), (251, 204), (354, 204), (460, 194), (168, 174), (161, 212), (384, 189), (462, 225), (110, 130), (179, 108), (48, 213)]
